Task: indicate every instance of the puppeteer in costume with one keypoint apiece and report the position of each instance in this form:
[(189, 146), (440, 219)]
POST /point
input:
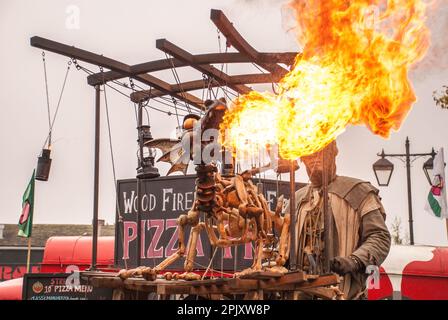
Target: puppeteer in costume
[(360, 236)]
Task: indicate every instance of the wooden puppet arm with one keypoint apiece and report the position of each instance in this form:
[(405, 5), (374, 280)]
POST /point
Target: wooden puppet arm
[(284, 242)]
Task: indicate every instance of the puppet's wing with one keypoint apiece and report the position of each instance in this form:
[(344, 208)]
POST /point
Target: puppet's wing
[(173, 153), (180, 163), (165, 145)]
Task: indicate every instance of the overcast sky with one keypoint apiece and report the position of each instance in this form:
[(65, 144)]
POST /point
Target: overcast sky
[(127, 31)]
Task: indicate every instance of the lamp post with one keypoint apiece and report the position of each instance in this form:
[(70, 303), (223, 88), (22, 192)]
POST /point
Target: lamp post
[(383, 169)]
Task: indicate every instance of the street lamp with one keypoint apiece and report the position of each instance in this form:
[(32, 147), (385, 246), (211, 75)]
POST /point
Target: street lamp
[(383, 169)]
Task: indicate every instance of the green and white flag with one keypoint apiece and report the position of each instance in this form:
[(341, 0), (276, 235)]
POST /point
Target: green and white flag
[(436, 201), (26, 218)]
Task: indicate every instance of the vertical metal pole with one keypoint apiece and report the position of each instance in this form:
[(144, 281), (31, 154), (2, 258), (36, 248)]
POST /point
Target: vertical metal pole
[(292, 215), (96, 178), (139, 187), (408, 177), (328, 219)]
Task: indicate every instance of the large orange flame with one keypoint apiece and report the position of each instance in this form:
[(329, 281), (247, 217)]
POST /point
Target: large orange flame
[(353, 70)]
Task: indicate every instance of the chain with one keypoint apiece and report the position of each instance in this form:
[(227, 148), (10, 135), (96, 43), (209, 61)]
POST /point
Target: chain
[(48, 98), (75, 63)]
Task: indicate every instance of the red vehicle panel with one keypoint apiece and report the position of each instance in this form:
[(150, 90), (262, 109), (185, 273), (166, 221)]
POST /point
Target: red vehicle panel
[(413, 272)]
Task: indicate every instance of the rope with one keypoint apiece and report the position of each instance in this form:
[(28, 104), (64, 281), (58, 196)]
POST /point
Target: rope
[(131, 86), (211, 269), (222, 65), (177, 79), (79, 67), (272, 82), (209, 265), (158, 99), (225, 90), (48, 139)]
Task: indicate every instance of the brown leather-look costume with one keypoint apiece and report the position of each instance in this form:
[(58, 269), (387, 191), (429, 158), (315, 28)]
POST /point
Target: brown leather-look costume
[(359, 219)]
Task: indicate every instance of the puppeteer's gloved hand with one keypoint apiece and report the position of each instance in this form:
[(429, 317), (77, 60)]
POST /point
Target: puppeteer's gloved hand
[(344, 265)]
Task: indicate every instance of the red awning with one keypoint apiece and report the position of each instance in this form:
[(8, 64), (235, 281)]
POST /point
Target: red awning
[(64, 251)]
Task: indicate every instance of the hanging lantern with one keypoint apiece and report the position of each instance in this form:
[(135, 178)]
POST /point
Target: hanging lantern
[(383, 169), (146, 169), (43, 165)]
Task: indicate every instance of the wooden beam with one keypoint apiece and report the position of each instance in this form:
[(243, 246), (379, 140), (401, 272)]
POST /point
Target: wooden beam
[(102, 61), (199, 84), (236, 40), (79, 54), (166, 87), (182, 55), (208, 58)]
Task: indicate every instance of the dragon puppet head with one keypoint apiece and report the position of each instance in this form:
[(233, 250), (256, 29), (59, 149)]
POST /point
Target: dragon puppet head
[(179, 152)]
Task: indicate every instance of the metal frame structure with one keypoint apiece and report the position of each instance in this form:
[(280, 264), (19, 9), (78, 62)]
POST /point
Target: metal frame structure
[(271, 62)]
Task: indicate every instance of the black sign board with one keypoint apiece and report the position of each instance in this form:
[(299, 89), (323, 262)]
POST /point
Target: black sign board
[(162, 201), (61, 286)]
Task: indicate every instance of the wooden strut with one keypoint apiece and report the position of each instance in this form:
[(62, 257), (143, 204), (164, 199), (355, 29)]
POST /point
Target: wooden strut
[(181, 58), (142, 95), (114, 65), (236, 40), (182, 55), (286, 58)]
